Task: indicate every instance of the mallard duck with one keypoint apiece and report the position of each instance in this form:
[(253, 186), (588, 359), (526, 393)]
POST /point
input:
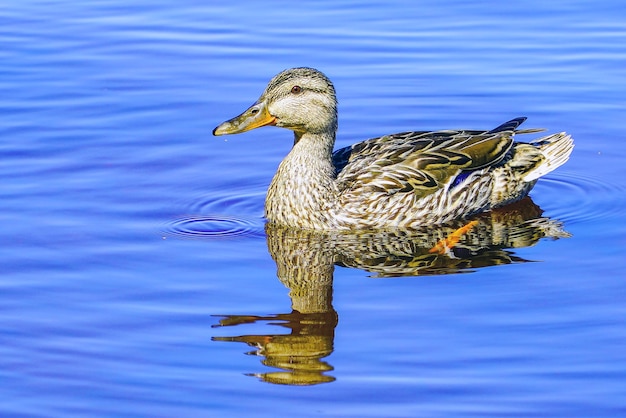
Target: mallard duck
[(402, 180)]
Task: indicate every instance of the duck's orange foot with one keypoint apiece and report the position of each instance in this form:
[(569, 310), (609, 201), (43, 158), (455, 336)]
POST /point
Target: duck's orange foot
[(449, 242)]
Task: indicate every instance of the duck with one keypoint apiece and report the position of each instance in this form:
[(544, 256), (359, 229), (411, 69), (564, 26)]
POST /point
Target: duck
[(402, 180)]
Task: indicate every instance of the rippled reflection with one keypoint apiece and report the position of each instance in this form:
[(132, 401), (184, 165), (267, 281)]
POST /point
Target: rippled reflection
[(305, 263)]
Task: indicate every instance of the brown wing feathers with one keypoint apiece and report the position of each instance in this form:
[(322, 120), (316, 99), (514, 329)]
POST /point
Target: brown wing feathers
[(420, 162)]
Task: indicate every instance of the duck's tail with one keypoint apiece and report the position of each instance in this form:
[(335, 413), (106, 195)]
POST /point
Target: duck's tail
[(555, 149), (528, 161)]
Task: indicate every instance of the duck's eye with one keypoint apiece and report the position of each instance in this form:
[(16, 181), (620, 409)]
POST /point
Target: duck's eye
[(296, 89)]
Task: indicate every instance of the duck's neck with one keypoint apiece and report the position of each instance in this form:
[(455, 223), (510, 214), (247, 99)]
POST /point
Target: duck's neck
[(303, 189)]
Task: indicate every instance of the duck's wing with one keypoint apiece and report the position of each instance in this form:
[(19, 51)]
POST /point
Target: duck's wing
[(419, 162)]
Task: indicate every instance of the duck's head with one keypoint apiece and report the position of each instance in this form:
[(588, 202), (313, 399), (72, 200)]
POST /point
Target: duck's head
[(300, 99)]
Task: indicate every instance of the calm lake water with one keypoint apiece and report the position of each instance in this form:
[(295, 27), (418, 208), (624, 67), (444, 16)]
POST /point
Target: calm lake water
[(138, 278)]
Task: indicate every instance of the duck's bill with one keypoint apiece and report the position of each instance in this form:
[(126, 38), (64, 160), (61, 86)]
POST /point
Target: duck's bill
[(254, 117)]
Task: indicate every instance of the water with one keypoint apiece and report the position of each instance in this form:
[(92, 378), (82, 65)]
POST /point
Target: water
[(137, 271)]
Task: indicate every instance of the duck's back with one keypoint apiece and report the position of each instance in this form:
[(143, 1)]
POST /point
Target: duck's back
[(412, 178)]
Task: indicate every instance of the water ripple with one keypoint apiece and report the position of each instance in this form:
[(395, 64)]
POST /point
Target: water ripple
[(209, 220), (576, 198), (214, 226)]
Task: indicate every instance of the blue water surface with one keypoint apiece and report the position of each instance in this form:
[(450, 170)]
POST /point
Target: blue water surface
[(136, 269)]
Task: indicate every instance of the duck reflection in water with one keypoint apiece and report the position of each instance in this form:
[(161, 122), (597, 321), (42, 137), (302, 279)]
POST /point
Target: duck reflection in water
[(305, 263)]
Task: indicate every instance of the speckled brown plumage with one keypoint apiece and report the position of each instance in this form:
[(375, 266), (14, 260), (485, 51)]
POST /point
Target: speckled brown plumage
[(401, 180)]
